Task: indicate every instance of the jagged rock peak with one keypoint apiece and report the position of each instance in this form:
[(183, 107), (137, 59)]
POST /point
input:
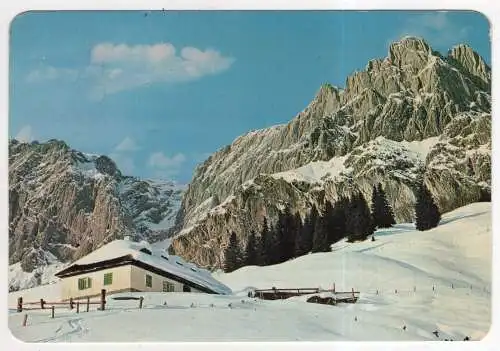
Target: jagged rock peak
[(411, 43), (467, 59), (409, 51), (412, 113), (327, 99)]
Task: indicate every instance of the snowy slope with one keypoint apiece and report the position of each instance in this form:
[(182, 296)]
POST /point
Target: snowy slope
[(318, 171), (19, 279), (458, 252)]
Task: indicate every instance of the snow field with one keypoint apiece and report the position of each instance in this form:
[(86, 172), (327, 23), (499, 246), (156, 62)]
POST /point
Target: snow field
[(457, 253)]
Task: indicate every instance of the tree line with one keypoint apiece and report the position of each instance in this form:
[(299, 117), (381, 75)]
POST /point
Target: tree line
[(348, 217)]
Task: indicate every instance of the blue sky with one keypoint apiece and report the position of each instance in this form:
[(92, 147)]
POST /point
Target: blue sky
[(159, 91)]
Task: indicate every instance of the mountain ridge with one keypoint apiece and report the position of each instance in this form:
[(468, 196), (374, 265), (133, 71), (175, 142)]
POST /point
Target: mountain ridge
[(413, 94), (64, 203), (413, 114)]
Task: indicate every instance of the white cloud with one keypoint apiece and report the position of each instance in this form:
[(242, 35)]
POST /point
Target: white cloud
[(52, 73), (25, 135), (163, 162), (436, 28), (127, 144), (110, 53), (117, 67)]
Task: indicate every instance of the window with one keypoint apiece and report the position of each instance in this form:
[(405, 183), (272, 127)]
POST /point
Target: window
[(149, 281), (146, 251), (84, 283), (168, 287), (108, 278)]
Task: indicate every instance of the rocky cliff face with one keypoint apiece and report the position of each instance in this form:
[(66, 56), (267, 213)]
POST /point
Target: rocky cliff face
[(63, 204), (414, 113)]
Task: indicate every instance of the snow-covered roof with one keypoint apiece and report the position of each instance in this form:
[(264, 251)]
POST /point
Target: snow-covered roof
[(159, 259)]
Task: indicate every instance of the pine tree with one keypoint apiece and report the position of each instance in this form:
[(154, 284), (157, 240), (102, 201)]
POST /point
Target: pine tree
[(320, 238), (288, 233), (359, 220), (427, 214), (297, 227), (264, 251), (232, 254), (303, 242), (277, 236), (251, 251), (329, 224), (484, 195), (382, 214), (337, 221), (375, 207)]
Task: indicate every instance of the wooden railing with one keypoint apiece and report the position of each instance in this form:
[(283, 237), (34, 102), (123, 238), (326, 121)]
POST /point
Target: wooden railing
[(276, 294), (71, 304)]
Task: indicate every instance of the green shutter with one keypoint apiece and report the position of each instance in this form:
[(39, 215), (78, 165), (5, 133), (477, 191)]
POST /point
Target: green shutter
[(149, 281), (108, 278), (84, 283)]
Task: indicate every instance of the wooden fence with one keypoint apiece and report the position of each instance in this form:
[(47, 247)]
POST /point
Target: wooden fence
[(279, 294), (71, 304)]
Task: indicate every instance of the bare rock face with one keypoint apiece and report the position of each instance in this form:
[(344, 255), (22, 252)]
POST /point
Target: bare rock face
[(412, 114), (469, 62), (63, 204)]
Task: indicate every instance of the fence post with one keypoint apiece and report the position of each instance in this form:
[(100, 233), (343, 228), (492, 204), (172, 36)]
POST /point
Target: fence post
[(25, 319), (71, 303), (103, 299), (88, 303), (19, 304), (353, 293), (78, 307), (140, 301), (52, 308), (334, 288)]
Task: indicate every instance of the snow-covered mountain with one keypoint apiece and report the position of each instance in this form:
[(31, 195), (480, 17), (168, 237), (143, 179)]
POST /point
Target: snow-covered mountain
[(433, 281), (413, 114), (64, 204)]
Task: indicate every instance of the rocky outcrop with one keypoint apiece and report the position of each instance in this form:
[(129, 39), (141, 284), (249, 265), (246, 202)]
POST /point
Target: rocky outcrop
[(405, 116), (63, 204)]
